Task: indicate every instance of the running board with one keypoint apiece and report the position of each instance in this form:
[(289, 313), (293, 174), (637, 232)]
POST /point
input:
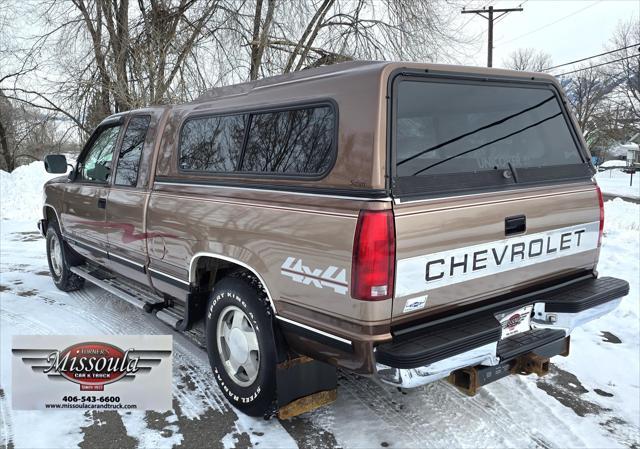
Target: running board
[(169, 316), (173, 317), (123, 291), (170, 312)]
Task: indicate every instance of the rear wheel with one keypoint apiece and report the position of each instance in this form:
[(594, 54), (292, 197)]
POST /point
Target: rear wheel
[(241, 344), (58, 257), (237, 345)]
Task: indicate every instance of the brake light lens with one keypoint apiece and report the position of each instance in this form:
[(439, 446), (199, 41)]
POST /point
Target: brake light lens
[(601, 201), (374, 256)]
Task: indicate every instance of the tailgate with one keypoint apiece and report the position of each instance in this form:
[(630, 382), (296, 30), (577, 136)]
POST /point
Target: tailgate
[(453, 252), (492, 190)]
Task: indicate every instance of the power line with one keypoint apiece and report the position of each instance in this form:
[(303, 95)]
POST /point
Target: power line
[(552, 23), (504, 15), (471, 18), (483, 32), (590, 57), (490, 18), (597, 65)]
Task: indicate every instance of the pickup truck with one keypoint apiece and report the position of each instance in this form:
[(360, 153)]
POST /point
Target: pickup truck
[(408, 222)]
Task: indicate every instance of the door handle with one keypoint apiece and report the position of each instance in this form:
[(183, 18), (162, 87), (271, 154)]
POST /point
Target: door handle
[(515, 225), (102, 203)]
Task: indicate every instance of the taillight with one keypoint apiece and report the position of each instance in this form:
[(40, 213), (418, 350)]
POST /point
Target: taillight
[(374, 254), (601, 214)]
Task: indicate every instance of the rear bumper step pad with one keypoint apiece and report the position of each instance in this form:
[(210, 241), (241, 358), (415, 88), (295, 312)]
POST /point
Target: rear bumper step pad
[(525, 342), (440, 342), (430, 344), (584, 295)]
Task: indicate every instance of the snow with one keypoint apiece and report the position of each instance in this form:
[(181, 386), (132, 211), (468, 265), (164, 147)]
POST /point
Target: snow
[(614, 163), (620, 257), (513, 412), (622, 149), (616, 183), (21, 191), (32, 305)]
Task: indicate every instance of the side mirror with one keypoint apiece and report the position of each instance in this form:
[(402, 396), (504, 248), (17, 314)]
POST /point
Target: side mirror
[(55, 163)]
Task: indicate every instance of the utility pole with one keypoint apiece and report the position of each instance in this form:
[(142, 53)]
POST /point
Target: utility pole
[(490, 17)]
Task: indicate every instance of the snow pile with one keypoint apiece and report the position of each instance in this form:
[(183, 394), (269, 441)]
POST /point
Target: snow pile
[(620, 215), (616, 183), (21, 192), (614, 163)]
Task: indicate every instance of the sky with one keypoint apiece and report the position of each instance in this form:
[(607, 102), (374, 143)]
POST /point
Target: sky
[(582, 28)]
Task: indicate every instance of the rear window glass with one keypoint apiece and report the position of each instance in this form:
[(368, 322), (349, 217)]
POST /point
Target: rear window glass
[(445, 128), (131, 150), (297, 141), (212, 143)]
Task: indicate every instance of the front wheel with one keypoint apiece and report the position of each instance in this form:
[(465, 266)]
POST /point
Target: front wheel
[(241, 345), (58, 261)]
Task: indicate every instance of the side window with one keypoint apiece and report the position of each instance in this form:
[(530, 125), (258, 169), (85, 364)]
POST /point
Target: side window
[(96, 165), (298, 141), (212, 143), (131, 150)]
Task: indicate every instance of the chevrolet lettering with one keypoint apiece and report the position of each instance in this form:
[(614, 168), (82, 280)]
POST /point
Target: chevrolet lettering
[(472, 262)]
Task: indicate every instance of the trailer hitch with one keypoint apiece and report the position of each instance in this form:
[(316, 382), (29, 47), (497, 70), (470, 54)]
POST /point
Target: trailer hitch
[(531, 364), (469, 380)]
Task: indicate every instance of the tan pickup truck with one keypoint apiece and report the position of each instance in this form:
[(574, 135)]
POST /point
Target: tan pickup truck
[(408, 222)]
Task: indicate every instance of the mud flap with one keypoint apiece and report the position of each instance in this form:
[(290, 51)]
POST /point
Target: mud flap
[(303, 385), (194, 308)]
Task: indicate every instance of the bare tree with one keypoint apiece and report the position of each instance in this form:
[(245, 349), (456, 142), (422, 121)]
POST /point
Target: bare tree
[(130, 55), (294, 35), (624, 65), (259, 35), (96, 57), (528, 60), (26, 134), (588, 90), (606, 99), (126, 56), (6, 131)]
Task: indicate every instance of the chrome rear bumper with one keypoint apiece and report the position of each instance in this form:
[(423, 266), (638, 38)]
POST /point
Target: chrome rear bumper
[(569, 321), (487, 355), (416, 377)]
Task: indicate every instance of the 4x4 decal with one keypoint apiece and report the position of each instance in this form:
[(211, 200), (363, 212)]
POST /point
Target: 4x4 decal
[(332, 277)]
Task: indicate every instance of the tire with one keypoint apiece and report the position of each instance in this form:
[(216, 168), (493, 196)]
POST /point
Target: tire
[(60, 259), (238, 308)]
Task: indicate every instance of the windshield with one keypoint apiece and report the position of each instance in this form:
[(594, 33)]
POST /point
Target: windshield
[(464, 127)]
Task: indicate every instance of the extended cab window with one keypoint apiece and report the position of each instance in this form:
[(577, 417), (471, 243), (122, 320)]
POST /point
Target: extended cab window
[(451, 135), (298, 141), (213, 143), (131, 150), (96, 165)]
